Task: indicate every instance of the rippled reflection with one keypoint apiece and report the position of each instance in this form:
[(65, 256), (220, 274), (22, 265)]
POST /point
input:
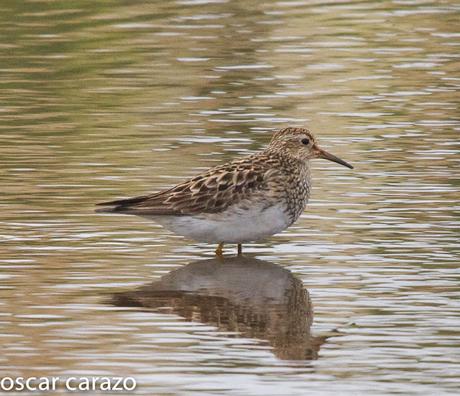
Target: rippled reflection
[(255, 298)]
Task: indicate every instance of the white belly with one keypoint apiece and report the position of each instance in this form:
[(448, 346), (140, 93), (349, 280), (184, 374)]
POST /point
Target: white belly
[(233, 226)]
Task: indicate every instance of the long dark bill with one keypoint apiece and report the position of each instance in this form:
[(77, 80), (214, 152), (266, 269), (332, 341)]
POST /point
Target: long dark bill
[(324, 154)]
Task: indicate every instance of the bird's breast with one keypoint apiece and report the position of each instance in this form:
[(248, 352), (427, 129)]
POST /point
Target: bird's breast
[(297, 193)]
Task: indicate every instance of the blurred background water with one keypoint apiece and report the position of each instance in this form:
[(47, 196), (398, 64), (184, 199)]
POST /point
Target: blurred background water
[(108, 99)]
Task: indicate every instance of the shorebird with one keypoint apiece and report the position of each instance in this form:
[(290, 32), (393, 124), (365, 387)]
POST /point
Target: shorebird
[(244, 200)]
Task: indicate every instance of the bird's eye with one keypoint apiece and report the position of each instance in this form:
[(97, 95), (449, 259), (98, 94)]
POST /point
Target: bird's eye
[(305, 141)]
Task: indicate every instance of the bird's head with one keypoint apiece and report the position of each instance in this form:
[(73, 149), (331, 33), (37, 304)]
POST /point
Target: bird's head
[(301, 144)]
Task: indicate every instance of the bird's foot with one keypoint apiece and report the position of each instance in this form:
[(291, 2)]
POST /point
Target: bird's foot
[(220, 250)]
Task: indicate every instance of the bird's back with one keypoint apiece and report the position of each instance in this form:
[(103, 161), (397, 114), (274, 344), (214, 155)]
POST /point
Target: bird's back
[(212, 191)]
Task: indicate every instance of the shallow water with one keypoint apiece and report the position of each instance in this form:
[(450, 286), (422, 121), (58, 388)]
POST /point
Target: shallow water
[(100, 100)]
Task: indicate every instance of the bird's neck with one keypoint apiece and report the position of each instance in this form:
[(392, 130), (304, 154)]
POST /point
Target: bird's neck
[(297, 179), (294, 164)]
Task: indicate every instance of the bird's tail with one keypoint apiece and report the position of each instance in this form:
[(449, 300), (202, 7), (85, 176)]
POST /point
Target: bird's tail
[(119, 205)]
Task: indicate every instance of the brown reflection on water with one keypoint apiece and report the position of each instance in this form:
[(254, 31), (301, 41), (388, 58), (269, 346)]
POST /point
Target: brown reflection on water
[(252, 297)]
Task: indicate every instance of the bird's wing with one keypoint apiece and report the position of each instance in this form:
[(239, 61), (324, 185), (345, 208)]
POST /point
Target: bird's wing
[(210, 192)]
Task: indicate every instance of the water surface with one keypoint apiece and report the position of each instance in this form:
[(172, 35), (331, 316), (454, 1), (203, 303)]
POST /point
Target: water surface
[(100, 100)]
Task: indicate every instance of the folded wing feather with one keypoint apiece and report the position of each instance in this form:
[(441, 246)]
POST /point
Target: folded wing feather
[(211, 192)]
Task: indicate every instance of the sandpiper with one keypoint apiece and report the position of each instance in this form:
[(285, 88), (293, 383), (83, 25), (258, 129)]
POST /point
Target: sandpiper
[(245, 200)]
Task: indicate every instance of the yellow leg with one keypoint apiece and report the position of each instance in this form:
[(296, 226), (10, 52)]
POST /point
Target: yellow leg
[(240, 249), (220, 250)]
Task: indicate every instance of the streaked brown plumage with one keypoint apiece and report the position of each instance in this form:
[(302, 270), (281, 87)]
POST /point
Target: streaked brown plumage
[(278, 175)]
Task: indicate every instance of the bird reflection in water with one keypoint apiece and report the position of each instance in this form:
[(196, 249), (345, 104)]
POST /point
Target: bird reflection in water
[(255, 298)]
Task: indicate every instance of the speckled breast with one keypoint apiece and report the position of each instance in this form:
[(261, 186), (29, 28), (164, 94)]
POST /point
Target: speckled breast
[(298, 186)]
